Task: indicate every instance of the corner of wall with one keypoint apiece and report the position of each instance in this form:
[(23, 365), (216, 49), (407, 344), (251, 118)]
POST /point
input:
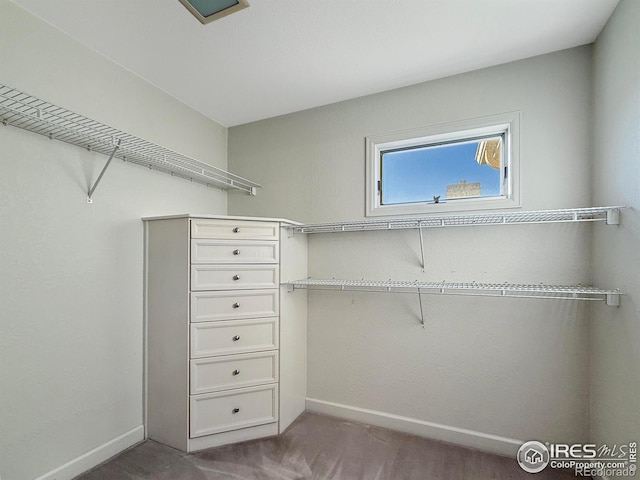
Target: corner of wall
[(615, 259)]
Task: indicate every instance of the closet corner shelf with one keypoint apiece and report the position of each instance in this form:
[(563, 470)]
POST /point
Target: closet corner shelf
[(609, 215), (24, 111), (560, 292)]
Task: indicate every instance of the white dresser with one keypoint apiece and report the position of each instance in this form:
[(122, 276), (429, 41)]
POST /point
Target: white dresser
[(226, 346)]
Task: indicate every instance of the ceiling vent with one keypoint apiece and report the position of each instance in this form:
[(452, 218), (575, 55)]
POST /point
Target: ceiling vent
[(207, 11)]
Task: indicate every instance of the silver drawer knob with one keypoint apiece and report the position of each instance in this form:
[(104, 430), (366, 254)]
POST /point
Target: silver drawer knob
[(236, 338), (236, 305), (236, 252), (236, 277), (235, 410), (236, 230), (235, 372)]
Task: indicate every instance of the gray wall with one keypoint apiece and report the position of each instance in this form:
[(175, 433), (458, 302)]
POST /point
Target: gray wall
[(615, 344), (71, 274), (507, 367)]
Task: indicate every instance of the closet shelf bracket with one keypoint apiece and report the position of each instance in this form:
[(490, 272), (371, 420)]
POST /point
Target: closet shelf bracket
[(422, 249), (104, 169), (613, 299), (613, 216)]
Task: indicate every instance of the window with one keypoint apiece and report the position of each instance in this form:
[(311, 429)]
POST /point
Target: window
[(469, 165)]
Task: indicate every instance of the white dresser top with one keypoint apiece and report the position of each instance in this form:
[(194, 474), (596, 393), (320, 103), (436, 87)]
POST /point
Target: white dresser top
[(222, 217)]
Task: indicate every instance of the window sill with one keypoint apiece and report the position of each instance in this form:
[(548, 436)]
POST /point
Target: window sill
[(460, 205)]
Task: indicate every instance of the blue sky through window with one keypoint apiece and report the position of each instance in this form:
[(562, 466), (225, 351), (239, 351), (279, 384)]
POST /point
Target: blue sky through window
[(419, 174)]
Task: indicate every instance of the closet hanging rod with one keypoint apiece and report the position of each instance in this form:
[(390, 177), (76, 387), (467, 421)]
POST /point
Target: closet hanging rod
[(559, 292), (30, 113), (609, 215)]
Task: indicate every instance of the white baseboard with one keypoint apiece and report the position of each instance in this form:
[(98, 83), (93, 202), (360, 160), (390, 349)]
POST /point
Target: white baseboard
[(459, 436), (96, 456)]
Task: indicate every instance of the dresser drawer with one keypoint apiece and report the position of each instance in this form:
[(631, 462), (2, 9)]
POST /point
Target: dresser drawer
[(233, 336), (233, 409), (234, 277), (233, 305), (233, 251), (232, 229), (223, 373)]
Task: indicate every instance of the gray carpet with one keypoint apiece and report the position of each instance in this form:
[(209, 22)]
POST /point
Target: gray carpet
[(318, 447)]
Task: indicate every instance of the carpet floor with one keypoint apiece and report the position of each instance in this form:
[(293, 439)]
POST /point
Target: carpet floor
[(318, 447)]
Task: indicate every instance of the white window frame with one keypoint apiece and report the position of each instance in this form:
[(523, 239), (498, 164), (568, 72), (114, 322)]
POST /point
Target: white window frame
[(377, 144)]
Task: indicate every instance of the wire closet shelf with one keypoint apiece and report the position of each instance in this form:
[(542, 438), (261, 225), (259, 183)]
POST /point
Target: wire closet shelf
[(562, 292), (24, 111), (610, 215)]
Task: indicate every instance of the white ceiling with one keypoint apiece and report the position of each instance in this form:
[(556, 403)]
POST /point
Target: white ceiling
[(281, 56)]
